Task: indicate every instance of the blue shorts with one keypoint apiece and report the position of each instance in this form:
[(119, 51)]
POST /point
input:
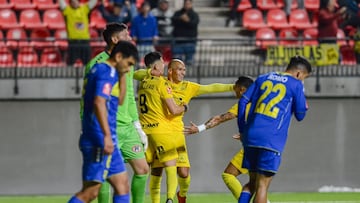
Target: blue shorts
[(261, 160), (97, 167)]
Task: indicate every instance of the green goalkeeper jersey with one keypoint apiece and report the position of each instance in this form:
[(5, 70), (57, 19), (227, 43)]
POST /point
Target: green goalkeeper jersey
[(127, 112)]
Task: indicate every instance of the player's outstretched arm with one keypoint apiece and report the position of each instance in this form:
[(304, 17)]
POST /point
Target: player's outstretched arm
[(212, 122), (215, 88), (100, 111), (174, 108)]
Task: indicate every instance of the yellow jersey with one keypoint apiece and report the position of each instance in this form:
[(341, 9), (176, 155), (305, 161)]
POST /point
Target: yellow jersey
[(235, 107), (77, 22)]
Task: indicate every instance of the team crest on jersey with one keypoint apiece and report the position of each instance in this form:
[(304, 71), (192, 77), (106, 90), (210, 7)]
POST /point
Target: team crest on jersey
[(107, 89), (136, 148), (168, 89)]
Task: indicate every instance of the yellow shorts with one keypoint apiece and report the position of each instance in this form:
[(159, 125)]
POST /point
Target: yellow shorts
[(164, 146), (237, 161), (181, 161)]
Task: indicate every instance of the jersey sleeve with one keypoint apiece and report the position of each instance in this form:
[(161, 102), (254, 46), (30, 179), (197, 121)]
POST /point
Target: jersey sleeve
[(141, 74), (214, 88), (104, 84), (243, 102), (234, 109), (165, 90), (300, 104)]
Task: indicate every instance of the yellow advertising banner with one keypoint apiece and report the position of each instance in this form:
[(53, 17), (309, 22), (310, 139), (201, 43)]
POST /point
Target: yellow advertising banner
[(319, 55)]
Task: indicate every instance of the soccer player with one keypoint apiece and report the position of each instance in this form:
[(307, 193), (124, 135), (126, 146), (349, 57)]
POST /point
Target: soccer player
[(156, 104), (132, 139), (234, 168), (98, 141), (275, 97), (183, 91)]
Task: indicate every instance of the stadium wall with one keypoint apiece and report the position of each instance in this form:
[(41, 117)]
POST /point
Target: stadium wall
[(39, 147)]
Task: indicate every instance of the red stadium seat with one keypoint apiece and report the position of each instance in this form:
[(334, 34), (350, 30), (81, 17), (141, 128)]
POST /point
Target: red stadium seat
[(27, 58), (243, 5), (347, 55), (23, 4), (51, 57), (30, 19), (53, 19), (312, 5), (265, 37), (16, 38), (41, 38), (4, 4), (267, 4), (96, 20), (289, 37), (96, 40), (299, 19), (2, 42), (253, 19), (310, 36), (6, 58), (8, 19), (341, 38), (45, 4), (61, 39), (276, 19)]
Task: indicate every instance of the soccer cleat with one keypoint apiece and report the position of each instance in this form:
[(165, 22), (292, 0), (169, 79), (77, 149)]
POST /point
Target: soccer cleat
[(180, 199), (169, 201)]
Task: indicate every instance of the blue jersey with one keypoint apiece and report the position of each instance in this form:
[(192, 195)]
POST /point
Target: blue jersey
[(276, 97), (100, 81)]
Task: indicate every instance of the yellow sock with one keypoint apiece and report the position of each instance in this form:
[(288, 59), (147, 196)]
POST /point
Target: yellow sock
[(171, 181), (233, 184), (154, 188), (184, 184)]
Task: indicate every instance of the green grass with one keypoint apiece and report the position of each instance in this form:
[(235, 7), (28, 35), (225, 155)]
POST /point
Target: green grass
[(345, 197)]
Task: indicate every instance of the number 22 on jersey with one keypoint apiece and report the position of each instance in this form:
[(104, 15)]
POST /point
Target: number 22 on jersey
[(270, 109)]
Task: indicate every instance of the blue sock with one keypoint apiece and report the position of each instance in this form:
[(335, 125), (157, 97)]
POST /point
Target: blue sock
[(74, 199), (121, 198), (244, 197)]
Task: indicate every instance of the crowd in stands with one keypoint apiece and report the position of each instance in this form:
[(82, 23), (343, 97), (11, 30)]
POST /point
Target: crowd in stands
[(50, 32)]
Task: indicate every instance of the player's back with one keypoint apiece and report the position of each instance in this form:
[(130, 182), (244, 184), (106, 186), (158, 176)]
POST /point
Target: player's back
[(152, 108), (276, 96), (99, 82)]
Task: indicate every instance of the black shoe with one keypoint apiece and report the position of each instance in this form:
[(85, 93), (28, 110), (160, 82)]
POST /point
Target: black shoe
[(169, 201)]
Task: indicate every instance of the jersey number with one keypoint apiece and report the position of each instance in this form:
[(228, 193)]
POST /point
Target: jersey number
[(269, 109), (142, 103)]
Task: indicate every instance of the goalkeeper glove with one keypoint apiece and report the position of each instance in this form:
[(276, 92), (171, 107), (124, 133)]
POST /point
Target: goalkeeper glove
[(142, 134)]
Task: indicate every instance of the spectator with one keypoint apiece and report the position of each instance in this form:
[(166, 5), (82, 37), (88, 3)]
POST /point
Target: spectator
[(144, 30), (288, 3), (233, 17), (352, 17), (185, 22), (163, 15), (117, 14), (328, 21), (154, 3), (77, 26), (127, 4)]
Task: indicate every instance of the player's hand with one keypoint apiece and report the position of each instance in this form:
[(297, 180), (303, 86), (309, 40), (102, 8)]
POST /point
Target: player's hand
[(142, 135), (188, 130), (237, 136), (108, 145)]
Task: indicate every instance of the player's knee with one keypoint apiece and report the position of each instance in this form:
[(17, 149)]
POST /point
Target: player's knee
[(183, 172), (156, 171)]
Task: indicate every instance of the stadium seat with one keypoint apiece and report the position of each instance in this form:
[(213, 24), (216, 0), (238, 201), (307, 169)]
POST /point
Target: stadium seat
[(16, 37), (276, 19), (2, 42), (96, 20), (23, 4), (253, 19), (299, 19), (312, 5), (8, 19), (53, 19), (61, 39), (27, 58), (45, 4), (341, 38), (41, 38), (289, 37), (30, 19), (4, 4), (51, 57), (310, 36), (243, 5), (347, 55), (96, 40), (267, 4), (6, 58), (265, 37)]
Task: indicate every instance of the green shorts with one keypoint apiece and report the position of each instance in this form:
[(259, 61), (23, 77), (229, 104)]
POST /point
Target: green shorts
[(129, 143)]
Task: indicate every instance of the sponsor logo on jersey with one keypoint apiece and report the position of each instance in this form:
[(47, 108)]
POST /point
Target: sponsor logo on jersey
[(136, 148), (107, 89)]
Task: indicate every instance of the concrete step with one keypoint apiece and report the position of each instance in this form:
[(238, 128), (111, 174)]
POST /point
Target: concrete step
[(219, 31)]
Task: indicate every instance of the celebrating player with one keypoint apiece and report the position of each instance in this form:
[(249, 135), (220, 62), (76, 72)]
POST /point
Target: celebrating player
[(98, 141), (275, 97)]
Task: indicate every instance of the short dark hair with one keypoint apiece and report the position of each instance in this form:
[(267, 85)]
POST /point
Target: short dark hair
[(127, 49), (244, 81), (151, 57), (297, 62), (112, 28)]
